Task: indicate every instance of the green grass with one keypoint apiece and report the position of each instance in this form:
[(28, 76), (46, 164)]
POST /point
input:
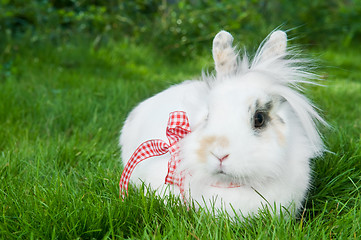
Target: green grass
[(61, 109)]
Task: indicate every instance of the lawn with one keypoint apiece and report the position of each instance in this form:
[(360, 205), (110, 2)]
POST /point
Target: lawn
[(62, 107)]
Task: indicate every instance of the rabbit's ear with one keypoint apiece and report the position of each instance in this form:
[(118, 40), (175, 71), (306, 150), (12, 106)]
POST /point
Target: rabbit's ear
[(224, 55), (275, 46)]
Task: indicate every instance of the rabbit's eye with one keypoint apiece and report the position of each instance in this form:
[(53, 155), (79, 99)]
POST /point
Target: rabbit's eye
[(259, 119)]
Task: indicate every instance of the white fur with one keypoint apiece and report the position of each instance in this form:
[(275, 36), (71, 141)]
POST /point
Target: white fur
[(271, 165)]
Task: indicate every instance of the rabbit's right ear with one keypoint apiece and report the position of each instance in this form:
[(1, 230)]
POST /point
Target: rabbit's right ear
[(224, 55), (275, 46)]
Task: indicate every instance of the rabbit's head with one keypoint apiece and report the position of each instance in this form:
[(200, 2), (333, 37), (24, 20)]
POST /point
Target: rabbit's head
[(258, 123)]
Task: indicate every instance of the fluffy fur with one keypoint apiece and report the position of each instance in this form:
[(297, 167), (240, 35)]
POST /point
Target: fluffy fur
[(233, 160)]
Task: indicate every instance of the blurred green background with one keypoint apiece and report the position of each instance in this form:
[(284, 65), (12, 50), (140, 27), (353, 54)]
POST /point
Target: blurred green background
[(180, 28)]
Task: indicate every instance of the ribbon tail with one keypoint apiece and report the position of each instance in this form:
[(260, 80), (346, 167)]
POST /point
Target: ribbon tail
[(146, 150)]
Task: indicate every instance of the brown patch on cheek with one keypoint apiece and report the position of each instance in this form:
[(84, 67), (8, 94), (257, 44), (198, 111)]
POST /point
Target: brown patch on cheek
[(204, 146), (209, 142), (280, 136), (222, 142)]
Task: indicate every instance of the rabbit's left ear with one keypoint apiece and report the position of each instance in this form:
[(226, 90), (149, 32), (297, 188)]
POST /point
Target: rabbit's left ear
[(275, 46), (224, 55)]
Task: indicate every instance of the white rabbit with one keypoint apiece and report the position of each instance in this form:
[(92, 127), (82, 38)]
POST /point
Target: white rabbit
[(252, 131)]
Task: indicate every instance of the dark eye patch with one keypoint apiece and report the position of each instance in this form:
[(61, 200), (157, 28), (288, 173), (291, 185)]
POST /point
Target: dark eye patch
[(266, 107), (261, 115)]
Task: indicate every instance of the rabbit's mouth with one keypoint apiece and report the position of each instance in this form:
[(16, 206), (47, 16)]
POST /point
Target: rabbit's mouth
[(221, 172), (225, 180)]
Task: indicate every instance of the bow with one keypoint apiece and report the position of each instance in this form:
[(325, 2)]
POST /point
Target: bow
[(177, 128)]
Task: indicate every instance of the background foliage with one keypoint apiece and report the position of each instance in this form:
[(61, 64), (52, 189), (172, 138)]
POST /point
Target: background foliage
[(180, 28)]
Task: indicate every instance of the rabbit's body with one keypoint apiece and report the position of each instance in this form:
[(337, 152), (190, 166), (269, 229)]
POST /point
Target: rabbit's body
[(252, 135)]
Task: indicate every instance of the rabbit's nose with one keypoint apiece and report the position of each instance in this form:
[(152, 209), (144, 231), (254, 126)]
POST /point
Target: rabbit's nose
[(221, 158)]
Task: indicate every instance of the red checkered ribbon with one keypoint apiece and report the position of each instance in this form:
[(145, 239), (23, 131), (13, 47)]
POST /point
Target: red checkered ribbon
[(177, 128)]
